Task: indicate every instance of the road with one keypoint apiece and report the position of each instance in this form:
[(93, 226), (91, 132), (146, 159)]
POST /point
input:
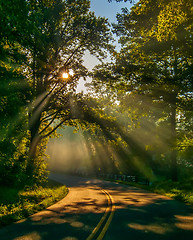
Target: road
[(95, 209)]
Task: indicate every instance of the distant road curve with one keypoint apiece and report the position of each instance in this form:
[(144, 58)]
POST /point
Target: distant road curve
[(96, 209)]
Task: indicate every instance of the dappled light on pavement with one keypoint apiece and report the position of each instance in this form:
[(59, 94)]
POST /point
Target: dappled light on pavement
[(155, 228), (137, 198), (138, 214), (185, 222), (30, 236)]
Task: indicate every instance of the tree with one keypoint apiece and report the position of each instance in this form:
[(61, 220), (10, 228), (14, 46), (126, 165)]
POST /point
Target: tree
[(50, 38), (155, 60), (63, 32), (14, 94)]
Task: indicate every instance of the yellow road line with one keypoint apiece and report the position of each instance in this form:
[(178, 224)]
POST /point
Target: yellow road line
[(100, 237), (108, 209)]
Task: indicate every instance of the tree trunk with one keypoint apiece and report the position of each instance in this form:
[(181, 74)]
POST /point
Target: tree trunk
[(174, 172), (34, 124)]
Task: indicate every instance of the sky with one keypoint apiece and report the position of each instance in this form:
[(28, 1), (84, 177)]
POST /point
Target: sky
[(104, 9), (109, 10)]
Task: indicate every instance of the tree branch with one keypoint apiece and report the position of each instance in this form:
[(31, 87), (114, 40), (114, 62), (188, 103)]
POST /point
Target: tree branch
[(49, 123), (54, 129), (73, 54), (46, 117)]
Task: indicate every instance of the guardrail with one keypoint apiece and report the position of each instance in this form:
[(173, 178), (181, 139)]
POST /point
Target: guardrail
[(125, 178)]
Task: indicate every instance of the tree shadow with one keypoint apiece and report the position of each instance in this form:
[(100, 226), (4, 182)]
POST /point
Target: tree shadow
[(144, 215), (139, 214), (75, 223)]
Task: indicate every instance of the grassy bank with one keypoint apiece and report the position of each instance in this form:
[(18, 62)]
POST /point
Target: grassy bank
[(17, 204), (181, 190)]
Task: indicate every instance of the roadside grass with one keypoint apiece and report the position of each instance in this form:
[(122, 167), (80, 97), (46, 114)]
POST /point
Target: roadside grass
[(16, 204), (181, 190)]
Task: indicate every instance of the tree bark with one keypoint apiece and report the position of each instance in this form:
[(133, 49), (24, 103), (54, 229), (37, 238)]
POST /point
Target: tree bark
[(34, 124), (174, 171)]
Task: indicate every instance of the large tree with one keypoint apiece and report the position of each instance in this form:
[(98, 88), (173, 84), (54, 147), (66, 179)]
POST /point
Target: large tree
[(65, 31), (155, 62), (53, 40)]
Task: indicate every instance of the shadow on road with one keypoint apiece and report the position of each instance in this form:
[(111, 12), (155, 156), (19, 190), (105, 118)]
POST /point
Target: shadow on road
[(144, 215), (138, 215)]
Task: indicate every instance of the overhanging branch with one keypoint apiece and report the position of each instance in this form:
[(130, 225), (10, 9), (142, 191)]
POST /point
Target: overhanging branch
[(54, 129)]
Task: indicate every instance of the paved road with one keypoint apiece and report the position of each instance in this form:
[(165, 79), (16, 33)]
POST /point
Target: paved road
[(128, 213)]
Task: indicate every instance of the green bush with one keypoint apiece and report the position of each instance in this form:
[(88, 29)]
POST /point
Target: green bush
[(16, 204), (182, 190)]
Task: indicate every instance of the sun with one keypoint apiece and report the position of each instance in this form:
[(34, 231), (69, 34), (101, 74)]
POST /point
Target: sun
[(65, 75)]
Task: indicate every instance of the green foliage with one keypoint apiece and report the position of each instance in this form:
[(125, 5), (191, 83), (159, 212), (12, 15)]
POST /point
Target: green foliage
[(13, 161), (14, 94), (181, 190), (18, 204), (151, 80), (39, 41)]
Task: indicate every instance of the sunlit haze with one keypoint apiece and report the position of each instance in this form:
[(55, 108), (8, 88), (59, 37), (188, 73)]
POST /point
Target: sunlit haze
[(96, 119)]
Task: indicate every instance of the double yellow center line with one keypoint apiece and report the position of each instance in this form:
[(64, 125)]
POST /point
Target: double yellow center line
[(106, 217)]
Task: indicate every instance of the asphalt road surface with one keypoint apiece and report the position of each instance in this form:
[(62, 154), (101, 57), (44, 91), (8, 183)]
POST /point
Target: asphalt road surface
[(96, 210)]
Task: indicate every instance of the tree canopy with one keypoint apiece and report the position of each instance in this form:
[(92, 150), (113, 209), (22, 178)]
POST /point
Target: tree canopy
[(40, 40), (136, 117), (154, 67)]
